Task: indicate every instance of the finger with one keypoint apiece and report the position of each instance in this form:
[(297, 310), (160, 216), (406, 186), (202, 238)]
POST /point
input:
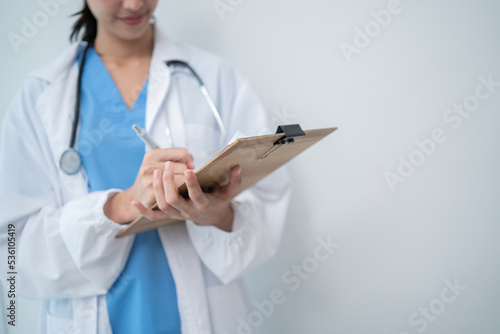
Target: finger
[(235, 180), (195, 193), (150, 214), (179, 167), (171, 193), (159, 193), (177, 154), (179, 179)]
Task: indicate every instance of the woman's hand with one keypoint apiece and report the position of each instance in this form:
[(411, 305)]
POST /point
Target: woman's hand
[(119, 209), (202, 208)]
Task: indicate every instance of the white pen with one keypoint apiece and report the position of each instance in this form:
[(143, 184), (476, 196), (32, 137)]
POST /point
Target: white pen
[(145, 137)]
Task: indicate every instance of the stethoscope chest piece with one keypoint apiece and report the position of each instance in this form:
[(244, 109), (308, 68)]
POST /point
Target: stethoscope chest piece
[(70, 162)]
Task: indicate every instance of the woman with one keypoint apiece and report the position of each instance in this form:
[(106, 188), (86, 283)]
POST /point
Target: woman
[(182, 278)]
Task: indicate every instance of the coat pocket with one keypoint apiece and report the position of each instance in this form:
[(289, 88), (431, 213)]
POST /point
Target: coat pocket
[(228, 307), (57, 325), (202, 141)]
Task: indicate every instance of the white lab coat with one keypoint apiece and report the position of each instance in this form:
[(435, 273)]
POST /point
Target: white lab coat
[(67, 253)]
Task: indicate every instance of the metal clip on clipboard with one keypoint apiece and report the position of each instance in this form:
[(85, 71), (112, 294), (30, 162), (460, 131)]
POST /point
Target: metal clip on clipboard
[(291, 131)]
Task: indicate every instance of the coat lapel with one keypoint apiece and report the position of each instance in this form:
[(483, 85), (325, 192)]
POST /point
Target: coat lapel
[(159, 76)]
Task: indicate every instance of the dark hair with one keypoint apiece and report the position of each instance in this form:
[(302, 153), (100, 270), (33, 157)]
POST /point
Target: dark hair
[(86, 23)]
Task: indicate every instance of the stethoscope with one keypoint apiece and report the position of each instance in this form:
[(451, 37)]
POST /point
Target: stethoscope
[(71, 161)]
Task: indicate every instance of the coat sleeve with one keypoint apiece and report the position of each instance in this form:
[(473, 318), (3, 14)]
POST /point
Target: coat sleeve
[(260, 211), (63, 250)]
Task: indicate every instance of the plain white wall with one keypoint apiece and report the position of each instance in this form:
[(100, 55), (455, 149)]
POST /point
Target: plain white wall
[(396, 248)]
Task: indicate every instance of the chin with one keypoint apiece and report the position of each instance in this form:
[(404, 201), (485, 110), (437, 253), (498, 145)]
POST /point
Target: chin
[(132, 33)]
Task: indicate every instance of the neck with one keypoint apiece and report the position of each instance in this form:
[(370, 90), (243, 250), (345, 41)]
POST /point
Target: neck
[(111, 47)]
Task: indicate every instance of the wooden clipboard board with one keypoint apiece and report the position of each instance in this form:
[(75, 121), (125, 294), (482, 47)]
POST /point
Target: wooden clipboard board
[(257, 156)]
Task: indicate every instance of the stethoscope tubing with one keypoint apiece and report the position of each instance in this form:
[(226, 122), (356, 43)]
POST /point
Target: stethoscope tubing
[(204, 91), (70, 161), (78, 97)]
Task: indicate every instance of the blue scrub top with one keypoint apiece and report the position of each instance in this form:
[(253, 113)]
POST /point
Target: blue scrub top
[(143, 299)]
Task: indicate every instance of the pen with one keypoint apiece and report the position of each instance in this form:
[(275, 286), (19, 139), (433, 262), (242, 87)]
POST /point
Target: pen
[(145, 137)]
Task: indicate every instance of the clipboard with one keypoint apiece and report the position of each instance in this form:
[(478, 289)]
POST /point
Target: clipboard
[(257, 156)]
